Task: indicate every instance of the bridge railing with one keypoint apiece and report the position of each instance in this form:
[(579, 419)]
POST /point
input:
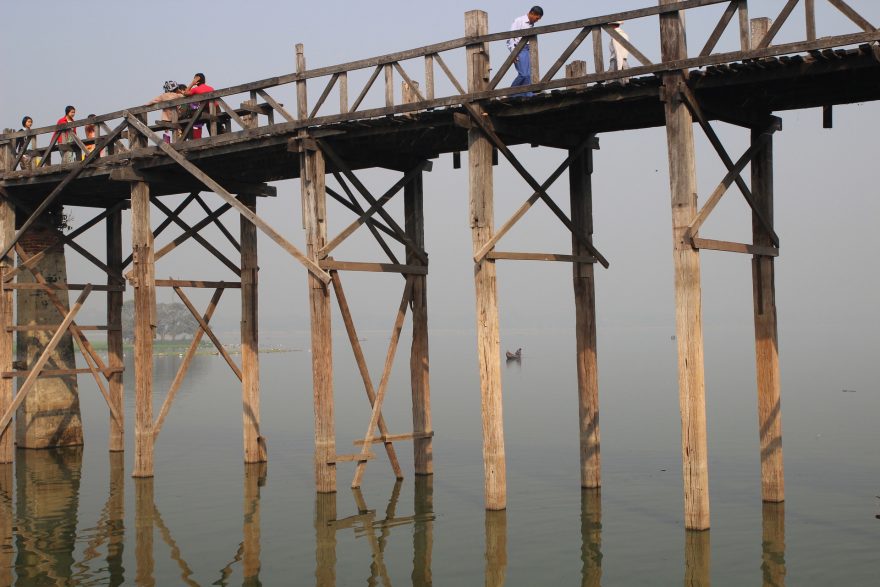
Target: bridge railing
[(352, 91)]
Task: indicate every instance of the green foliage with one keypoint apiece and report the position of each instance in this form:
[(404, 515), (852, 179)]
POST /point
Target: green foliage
[(173, 321)]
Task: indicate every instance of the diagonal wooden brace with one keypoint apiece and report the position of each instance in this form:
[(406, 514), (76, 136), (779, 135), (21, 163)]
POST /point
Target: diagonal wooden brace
[(626, 44), (486, 127), (204, 326), (43, 359), (198, 237), (243, 210), (691, 102)]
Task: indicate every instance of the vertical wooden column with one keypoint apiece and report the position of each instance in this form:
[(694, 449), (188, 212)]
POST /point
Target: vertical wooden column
[(766, 336), (688, 303), (143, 269), (254, 448), (581, 195), (314, 206), (7, 234), (114, 329), (414, 212), (482, 229)]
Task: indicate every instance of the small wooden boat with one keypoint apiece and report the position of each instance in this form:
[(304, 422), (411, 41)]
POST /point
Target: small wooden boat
[(514, 356)]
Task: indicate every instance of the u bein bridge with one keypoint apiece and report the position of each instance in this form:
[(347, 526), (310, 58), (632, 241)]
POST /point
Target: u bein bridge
[(128, 166)]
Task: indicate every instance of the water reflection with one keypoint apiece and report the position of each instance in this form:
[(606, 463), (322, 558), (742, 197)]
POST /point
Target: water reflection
[(47, 501), (496, 548), (773, 544), (248, 553), (697, 558), (377, 532), (6, 512), (591, 537)]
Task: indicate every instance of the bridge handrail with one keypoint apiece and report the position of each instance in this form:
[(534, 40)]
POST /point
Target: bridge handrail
[(588, 25)]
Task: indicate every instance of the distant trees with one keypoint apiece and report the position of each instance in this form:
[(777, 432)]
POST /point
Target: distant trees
[(173, 321)]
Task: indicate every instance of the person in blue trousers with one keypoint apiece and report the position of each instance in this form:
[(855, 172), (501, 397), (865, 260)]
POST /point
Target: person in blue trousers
[(523, 63)]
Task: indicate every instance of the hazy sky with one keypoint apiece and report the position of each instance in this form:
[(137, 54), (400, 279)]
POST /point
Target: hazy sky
[(106, 55)]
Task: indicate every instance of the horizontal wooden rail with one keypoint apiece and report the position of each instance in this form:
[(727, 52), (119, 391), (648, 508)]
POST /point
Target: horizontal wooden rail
[(198, 284), (53, 372), (541, 257), (382, 438), (51, 327), (63, 286), (716, 245), (373, 267)]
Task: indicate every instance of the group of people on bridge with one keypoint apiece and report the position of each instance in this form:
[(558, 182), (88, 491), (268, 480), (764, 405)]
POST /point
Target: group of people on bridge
[(67, 144)]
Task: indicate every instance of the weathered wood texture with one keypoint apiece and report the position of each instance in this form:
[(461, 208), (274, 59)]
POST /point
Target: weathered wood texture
[(116, 441), (581, 195), (419, 364), (688, 304), (697, 558), (766, 335), (314, 205), (773, 543), (7, 386), (496, 549), (482, 227), (144, 323), (591, 537), (144, 509), (254, 444)]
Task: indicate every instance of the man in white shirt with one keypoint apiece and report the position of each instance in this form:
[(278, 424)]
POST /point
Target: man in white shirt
[(523, 62), (619, 53)]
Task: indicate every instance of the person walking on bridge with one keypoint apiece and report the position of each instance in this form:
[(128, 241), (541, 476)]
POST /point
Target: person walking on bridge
[(619, 53), (523, 61), (65, 137)]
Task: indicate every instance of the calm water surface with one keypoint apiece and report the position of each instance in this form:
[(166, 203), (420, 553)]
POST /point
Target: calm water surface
[(76, 517)]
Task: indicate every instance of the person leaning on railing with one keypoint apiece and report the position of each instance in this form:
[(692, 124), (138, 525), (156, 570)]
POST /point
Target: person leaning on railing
[(172, 90), (65, 137), (199, 86), (523, 61)]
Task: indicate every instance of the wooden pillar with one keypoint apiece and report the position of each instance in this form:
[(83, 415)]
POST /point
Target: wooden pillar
[(688, 304), (116, 519), (114, 332), (143, 269), (145, 506), (482, 229), (697, 558), (254, 448), (325, 540), (766, 337), (581, 192), (314, 206), (419, 365), (7, 234)]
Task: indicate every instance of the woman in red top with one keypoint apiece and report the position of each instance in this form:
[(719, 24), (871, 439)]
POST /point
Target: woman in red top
[(65, 137)]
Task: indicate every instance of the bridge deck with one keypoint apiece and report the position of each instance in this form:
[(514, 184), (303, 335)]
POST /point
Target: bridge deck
[(558, 118)]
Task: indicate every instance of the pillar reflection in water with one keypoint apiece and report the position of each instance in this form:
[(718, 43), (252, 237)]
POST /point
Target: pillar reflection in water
[(47, 500), (591, 537), (325, 539), (423, 532), (773, 544), (496, 548), (6, 513), (698, 558), (254, 479), (143, 528)]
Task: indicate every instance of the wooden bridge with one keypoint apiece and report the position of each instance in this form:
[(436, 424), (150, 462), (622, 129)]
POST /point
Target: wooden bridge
[(457, 104)]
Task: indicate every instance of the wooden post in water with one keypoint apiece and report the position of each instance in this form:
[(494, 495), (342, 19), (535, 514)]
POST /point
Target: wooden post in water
[(254, 479), (773, 543), (496, 549), (144, 516), (7, 234), (414, 212), (325, 540), (766, 336), (482, 229), (581, 190), (143, 271), (688, 303), (591, 537), (314, 206), (115, 360), (254, 448)]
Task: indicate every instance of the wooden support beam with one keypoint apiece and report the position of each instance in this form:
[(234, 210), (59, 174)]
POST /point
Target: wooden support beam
[(7, 306), (41, 361), (44, 373), (254, 445), (51, 327), (333, 265), (513, 256), (777, 24), (726, 17), (184, 364), (191, 231), (583, 278), (361, 361), (557, 65), (854, 16), (167, 222), (220, 226), (144, 275), (485, 285), (716, 245), (384, 438), (688, 314), (62, 286), (386, 375), (197, 284), (419, 363), (373, 225), (355, 458), (614, 34), (213, 337), (766, 334), (229, 198), (115, 361)]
